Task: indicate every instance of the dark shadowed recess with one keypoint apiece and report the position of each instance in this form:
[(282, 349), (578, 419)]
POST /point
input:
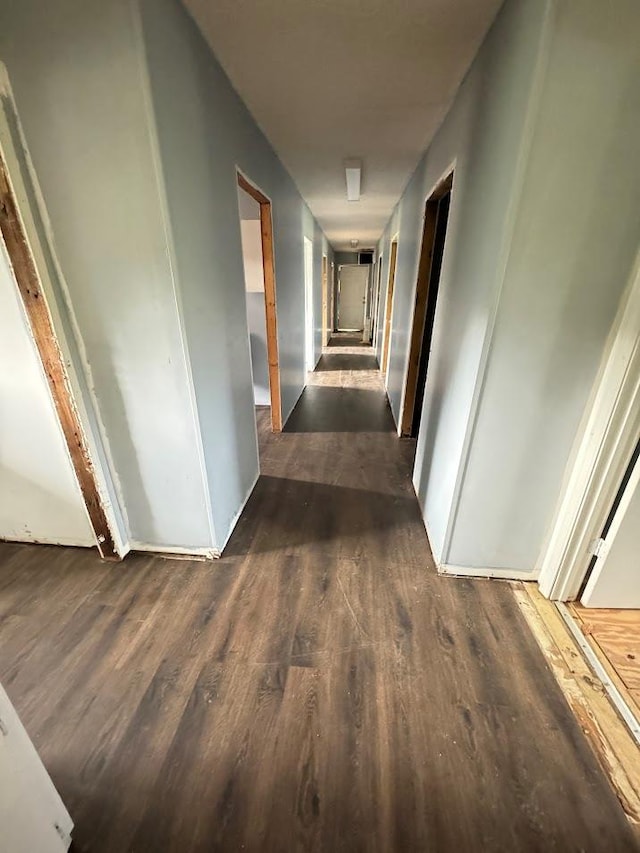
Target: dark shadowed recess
[(347, 361), (335, 409)]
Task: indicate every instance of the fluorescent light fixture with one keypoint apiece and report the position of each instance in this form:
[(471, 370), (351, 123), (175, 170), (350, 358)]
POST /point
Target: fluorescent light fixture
[(353, 171), (354, 244)]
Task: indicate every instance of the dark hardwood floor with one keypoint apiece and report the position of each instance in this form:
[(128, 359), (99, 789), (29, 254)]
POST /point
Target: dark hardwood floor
[(318, 688)]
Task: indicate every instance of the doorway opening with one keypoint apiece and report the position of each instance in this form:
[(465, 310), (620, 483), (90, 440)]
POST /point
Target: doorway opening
[(308, 306), (607, 610), (388, 309), (589, 562), (325, 302), (353, 280), (375, 301), (260, 284), (434, 233)]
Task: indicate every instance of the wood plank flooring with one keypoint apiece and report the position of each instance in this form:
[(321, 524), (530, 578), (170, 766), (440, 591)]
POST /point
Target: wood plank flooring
[(319, 688)]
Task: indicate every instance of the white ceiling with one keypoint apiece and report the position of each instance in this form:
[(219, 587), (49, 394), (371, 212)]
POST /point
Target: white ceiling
[(329, 80)]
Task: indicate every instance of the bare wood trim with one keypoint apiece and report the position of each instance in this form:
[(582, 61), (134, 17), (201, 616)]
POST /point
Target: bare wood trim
[(254, 192), (422, 296), (442, 188), (391, 282), (41, 325), (271, 315), (269, 273), (608, 736), (419, 314)]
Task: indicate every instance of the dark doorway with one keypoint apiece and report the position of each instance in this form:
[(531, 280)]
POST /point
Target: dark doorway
[(433, 241)]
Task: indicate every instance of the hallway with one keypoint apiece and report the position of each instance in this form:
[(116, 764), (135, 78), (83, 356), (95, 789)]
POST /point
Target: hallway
[(318, 688)]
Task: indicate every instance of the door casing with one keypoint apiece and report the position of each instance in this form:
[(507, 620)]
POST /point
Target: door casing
[(604, 445)]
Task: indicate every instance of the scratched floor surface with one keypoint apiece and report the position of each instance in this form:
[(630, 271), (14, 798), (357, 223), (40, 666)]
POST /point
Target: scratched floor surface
[(319, 688)]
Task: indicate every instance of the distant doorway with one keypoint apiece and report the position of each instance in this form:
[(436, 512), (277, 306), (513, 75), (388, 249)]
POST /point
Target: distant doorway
[(310, 358), (326, 329), (353, 280), (376, 302), (260, 283), (430, 265), (388, 309)]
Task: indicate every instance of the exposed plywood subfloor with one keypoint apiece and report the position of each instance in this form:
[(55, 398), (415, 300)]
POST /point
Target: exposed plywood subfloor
[(610, 739), (614, 635)]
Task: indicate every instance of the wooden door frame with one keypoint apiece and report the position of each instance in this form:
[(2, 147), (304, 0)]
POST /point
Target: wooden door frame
[(325, 300), (376, 302), (605, 442), (269, 273), (423, 287), (39, 318), (388, 309)]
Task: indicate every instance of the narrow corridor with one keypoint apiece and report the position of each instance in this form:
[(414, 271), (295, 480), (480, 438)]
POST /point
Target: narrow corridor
[(318, 688)]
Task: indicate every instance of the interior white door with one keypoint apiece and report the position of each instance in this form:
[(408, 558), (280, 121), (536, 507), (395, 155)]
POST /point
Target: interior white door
[(615, 577), (32, 815), (352, 288)]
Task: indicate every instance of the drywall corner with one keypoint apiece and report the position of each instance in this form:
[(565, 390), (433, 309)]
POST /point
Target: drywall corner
[(171, 258), (531, 115)]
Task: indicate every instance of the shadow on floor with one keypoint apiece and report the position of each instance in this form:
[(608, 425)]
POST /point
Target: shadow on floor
[(346, 361), (338, 409), (284, 514)]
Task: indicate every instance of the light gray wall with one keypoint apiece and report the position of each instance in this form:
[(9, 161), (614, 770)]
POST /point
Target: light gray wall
[(482, 135), (204, 132), (77, 74), (543, 230), (256, 318), (312, 230), (576, 234), (135, 134)]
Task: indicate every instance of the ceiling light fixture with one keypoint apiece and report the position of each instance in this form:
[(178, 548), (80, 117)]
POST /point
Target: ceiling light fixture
[(353, 172), (354, 244)]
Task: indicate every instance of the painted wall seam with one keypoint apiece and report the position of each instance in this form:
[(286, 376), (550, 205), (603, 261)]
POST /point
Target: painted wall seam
[(154, 145), (531, 115)]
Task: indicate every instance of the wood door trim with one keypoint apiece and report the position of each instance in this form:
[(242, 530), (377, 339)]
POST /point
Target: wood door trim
[(269, 274), (391, 283), (44, 336), (422, 296), (254, 192)]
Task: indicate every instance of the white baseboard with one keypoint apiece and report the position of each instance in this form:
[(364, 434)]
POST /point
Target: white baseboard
[(60, 540), (473, 572), (177, 551)]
